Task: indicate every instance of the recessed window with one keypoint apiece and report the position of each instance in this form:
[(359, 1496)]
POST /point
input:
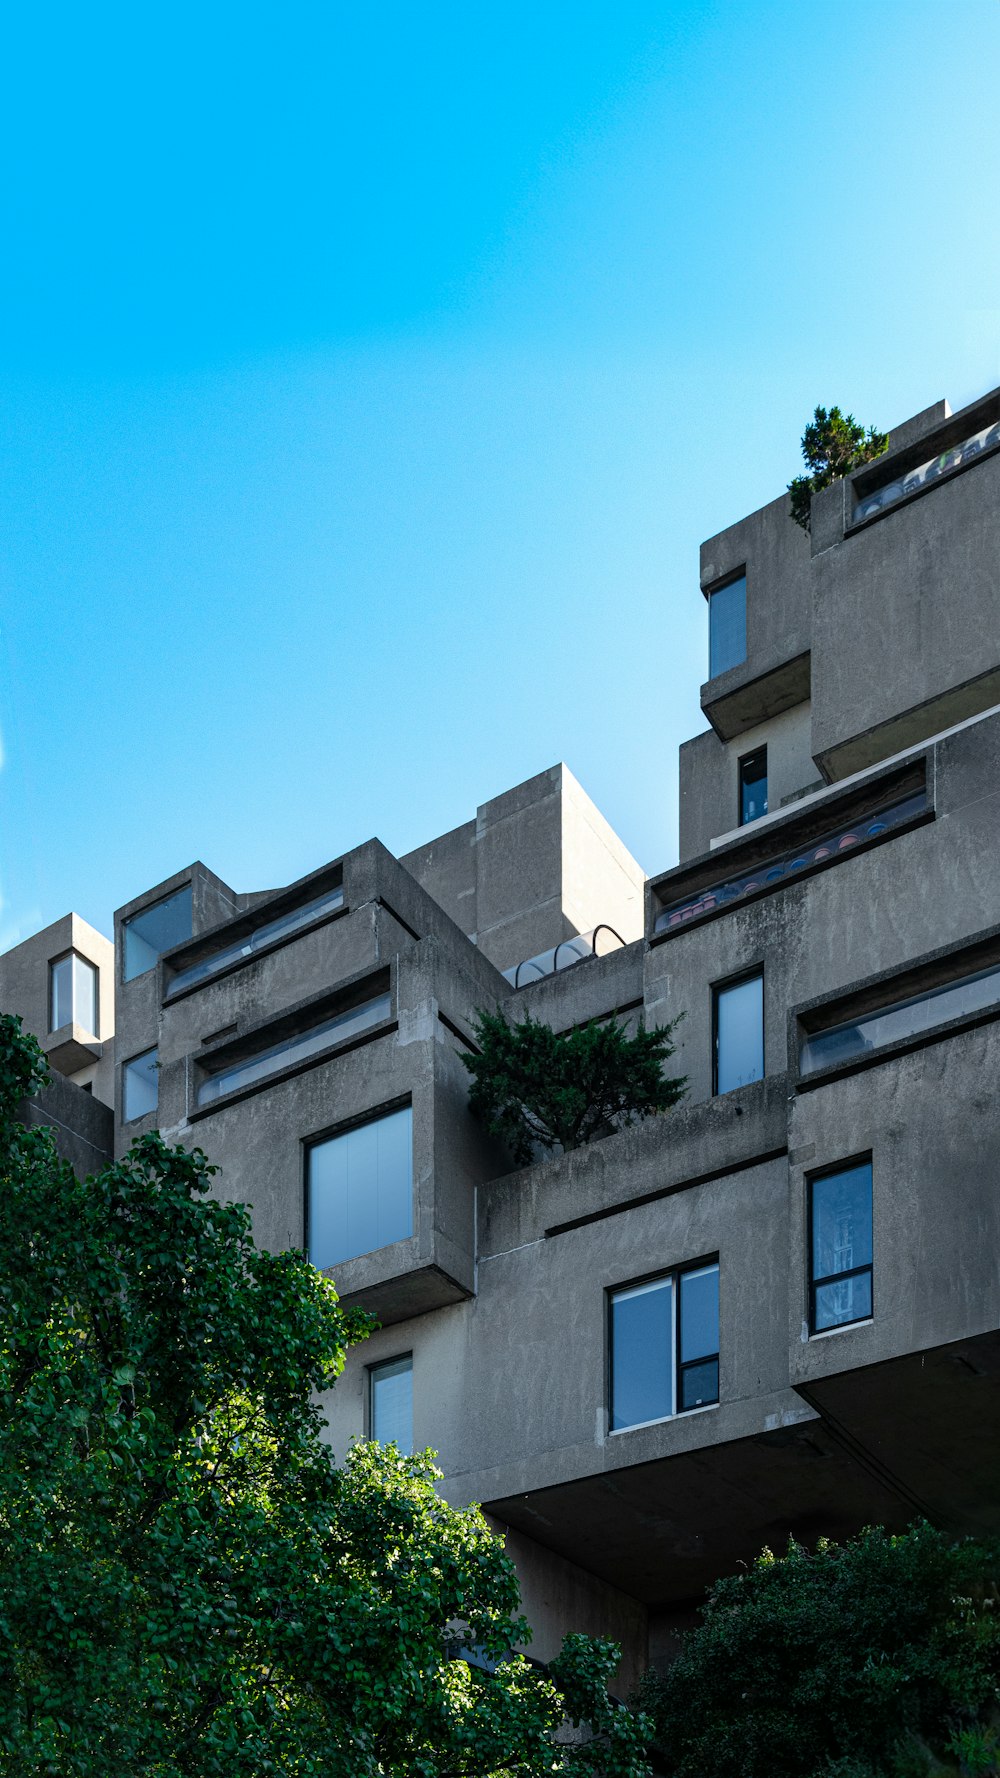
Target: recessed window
[(140, 1079), (753, 786), (359, 1188), (665, 1346), (840, 1246), (273, 932), (739, 1033), (727, 626), (390, 1405), (156, 929), (73, 993), (297, 1048), (907, 1018)]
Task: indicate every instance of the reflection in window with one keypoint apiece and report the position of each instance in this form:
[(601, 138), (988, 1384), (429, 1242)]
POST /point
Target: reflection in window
[(840, 1216), (753, 786), (727, 626), (272, 932), (139, 1085), (391, 1404), (360, 1189), (297, 1048), (907, 1018), (156, 929), (73, 993), (739, 1034), (665, 1346)]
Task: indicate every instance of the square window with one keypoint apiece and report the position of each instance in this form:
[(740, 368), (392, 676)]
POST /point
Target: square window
[(753, 786), (390, 1403), (727, 626), (840, 1246), (73, 993), (738, 1019), (359, 1188), (140, 1080), (664, 1346), (156, 929)]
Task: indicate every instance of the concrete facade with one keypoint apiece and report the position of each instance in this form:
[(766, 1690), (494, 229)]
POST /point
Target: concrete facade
[(865, 903)]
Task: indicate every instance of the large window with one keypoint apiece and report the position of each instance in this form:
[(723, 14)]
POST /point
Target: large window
[(272, 932), (753, 786), (665, 1346), (156, 929), (299, 1047), (359, 1188), (905, 1019), (73, 993), (727, 626), (840, 1246), (390, 1403), (139, 1085), (739, 1033)]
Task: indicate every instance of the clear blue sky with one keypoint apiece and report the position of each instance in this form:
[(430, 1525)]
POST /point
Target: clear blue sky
[(371, 375)]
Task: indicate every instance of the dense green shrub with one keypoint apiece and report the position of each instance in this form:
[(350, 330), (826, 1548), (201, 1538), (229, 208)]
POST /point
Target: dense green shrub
[(833, 444)]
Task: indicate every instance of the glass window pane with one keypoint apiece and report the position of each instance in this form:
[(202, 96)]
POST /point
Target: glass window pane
[(699, 1313), (139, 1085), (907, 1018), (849, 1299), (60, 993), (156, 929), (286, 926), (642, 1353), (753, 786), (727, 627), (842, 1221), (85, 995), (739, 1028), (297, 1048), (699, 1384), (392, 1404), (360, 1187)]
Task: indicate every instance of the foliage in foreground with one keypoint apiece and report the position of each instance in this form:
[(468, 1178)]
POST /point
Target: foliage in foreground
[(877, 1658), (832, 444), (189, 1586), (538, 1088)]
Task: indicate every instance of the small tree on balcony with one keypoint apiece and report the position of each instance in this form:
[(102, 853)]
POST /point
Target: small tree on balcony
[(832, 444), (538, 1088)]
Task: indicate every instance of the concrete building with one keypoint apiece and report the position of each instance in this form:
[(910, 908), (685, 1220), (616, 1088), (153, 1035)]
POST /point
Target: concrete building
[(774, 1311)]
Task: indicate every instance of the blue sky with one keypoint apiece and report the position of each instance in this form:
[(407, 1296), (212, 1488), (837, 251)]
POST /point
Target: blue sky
[(371, 376)]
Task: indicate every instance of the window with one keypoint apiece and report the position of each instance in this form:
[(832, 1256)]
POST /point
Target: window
[(359, 1189), (753, 786), (297, 1048), (73, 993), (840, 1244), (727, 626), (739, 1033), (665, 1346), (271, 933), (139, 1085), (390, 1403), (157, 928), (907, 1018)]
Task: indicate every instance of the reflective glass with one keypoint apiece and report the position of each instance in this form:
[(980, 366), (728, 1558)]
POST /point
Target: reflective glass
[(156, 929), (739, 1034), (841, 1241), (60, 993), (699, 1385), (727, 627), (907, 1018), (139, 1085), (699, 1313), (753, 786), (642, 1353), (294, 1049), (271, 933), (392, 1404), (849, 1299), (360, 1187)]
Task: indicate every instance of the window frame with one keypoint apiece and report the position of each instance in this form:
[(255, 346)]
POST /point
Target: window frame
[(745, 760), (673, 1275), (722, 586), (72, 952), (723, 987), (814, 1178), (403, 1103), (371, 1370)]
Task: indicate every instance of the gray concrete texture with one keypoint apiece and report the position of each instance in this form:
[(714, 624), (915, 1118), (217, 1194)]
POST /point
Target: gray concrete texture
[(83, 1056)]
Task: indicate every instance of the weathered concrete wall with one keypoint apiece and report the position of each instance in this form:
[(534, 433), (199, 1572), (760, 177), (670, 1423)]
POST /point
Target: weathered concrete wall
[(86, 1057), (82, 1125), (709, 775)]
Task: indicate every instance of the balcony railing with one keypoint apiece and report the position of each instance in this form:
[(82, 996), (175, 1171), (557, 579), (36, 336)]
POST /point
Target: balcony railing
[(568, 951), (927, 473)]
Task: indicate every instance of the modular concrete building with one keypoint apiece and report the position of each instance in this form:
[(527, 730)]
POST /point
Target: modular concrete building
[(775, 1310)]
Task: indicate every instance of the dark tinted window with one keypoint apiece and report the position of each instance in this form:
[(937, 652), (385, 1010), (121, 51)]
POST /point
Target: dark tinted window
[(727, 626), (841, 1246), (753, 786)]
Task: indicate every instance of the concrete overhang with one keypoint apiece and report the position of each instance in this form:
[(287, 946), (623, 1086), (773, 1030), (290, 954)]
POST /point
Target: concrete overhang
[(71, 1048), (733, 703)]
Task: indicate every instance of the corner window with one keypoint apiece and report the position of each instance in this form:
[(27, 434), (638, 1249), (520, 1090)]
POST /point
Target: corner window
[(738, 1020), (840, 1247), (390, 1403), (73, 993), (140, 1079), (664, 1346), (727, 626), (156, 929), (359, 1189), (753, 786)]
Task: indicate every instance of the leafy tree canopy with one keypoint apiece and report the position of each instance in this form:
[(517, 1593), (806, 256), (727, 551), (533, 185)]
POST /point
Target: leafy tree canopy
[(190, 1587), (832, 444), (878, 1658), (538, 1088)]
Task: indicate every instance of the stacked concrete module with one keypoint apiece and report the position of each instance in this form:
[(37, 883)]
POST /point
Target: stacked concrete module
[(860, 679)]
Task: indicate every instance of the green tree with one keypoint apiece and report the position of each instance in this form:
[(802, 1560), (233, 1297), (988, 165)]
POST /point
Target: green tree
[(833, 444), (190, 1587), (538, 1088), (877, 1658)]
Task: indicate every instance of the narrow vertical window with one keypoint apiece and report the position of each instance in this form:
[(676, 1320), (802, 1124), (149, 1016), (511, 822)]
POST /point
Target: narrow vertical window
[(359, 1188), (391, 1403), (840, 1246), (727, 626), (73, 993), (698, 1347), (739, 1033), (753, 786), (139, 1085)]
